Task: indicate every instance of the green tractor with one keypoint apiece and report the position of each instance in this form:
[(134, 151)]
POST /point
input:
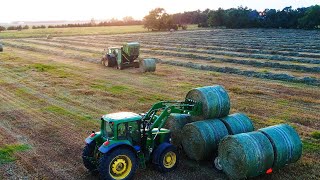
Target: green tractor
[(127, 56), (128, 140)]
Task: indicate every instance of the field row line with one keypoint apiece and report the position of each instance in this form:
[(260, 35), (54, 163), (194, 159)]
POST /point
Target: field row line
[(268, 75), (311, 47), (228, 51), (200, 57)]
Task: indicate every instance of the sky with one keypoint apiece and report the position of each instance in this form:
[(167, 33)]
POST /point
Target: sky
[(47, 10)]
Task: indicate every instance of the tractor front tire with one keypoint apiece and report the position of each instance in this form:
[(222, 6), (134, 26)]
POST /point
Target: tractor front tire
[(120, 163), (88, 156), (120, 66), (167, 158)]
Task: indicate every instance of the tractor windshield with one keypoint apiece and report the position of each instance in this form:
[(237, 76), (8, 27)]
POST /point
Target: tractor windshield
[(107, 129)]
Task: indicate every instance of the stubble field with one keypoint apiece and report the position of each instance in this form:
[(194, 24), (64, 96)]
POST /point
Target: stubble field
[(52, 93)]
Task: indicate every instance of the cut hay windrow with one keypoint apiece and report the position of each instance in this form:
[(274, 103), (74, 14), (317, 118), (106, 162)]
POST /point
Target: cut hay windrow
[(215, 101), (245, 155), (201, 138), (58, 53), (237, 123), (286, 144), (231, 70), (247, 62)]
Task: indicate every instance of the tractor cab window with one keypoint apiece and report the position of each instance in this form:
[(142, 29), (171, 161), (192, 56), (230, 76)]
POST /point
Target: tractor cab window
[(129, 131), (122, 131), (107, 129)]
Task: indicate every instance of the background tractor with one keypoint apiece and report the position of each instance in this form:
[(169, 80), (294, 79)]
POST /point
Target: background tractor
[(128, 140), (127, 56)]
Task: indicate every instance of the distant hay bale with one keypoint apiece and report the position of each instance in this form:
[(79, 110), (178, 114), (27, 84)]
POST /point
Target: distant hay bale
[(49, 36), (175, 123), (148, 65), (172, 30)]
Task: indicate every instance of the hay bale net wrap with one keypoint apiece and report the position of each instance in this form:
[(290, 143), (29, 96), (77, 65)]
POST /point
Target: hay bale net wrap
[(201, 138), (238, 123), (175, 123), (286, 144), (245, 155), (148, 65), (215, 101), (1, 48)]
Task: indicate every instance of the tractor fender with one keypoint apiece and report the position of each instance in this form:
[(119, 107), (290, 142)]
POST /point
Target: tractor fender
[(105, 149), (157, 153), (89, 139)]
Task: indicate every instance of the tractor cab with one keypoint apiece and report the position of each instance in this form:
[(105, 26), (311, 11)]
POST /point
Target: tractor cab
[(122, 126)]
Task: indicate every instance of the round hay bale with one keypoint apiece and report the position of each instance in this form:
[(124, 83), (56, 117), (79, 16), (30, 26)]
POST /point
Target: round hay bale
[(238, 123), (215, 101), (1, 48), (201, 138), (49, 36), (175, 123), (286, 144), (245, 155), (148, 65)]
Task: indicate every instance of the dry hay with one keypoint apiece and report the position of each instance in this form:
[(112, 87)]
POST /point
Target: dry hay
[(175, 123)]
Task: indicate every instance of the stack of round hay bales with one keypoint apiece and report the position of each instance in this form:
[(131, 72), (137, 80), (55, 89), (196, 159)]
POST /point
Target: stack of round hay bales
[(1, 48), (201, 138), (214, 99), (148, 65), (245, 155), (175, 123), (252, 154), (238, 123), (286, 144)]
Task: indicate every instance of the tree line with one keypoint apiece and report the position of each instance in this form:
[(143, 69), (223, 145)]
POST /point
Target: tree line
[(113, 22), (241, 17)]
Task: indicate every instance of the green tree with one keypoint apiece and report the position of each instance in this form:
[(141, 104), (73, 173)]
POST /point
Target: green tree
[(216, 18), (2, 28), (311, 19), (158, 19)]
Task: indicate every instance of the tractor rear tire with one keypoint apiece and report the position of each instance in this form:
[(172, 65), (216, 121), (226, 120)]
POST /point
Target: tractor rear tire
[(166, 158), (136, 64), (87, 155), (103, 60), (120, 163)]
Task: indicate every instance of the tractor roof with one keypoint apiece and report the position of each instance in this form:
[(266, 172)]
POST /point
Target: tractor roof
[(121, 117)]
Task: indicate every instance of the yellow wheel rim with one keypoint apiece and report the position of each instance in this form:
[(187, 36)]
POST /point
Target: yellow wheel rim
[(169, 159), (120, 167)]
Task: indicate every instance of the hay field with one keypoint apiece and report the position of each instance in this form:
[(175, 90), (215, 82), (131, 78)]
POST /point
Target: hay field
[(52, 93)]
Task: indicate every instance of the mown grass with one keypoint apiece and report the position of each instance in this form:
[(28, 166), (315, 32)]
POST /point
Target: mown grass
[(72, 31), (7, 152), (66, 112), (78, 31), (315, 134), (312, 147)]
